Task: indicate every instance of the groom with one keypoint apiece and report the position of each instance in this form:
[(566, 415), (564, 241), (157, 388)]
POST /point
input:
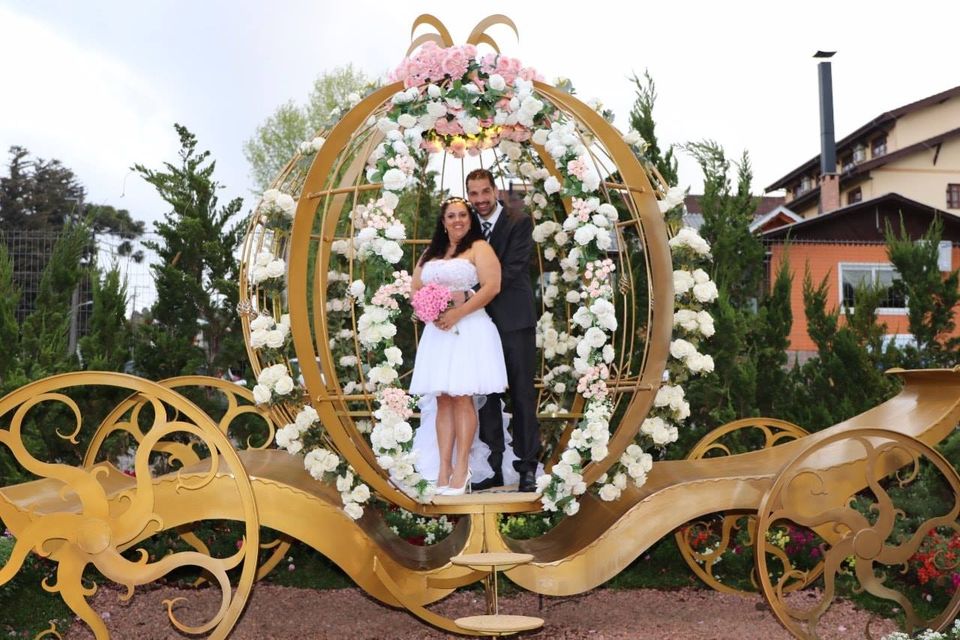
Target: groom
[(510, 234)]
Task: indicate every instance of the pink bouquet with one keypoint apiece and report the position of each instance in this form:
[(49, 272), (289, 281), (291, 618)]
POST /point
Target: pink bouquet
[(430, 301)]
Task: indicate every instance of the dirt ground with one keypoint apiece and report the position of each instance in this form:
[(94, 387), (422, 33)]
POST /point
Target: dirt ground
[(285, 612)]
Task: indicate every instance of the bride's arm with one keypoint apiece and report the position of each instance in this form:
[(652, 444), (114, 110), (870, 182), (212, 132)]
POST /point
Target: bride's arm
[(488, 272), (415, 282)]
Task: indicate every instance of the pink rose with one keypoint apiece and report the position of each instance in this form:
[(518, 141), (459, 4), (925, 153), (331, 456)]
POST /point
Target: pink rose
[(458, 147)]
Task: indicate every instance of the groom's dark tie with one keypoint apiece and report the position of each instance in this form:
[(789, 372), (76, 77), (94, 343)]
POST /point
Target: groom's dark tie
[(485, 225)]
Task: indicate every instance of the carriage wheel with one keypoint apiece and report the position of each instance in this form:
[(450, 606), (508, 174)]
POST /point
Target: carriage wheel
[(879, 506)]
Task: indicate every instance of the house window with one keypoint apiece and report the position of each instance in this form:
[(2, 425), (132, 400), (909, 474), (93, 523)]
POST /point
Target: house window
[(854, 275), (854, 195), (846, 162), (953, 196), (805, 184), (879, 146), (859, 154)]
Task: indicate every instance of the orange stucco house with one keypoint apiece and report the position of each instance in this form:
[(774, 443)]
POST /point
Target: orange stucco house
[(903, 164)]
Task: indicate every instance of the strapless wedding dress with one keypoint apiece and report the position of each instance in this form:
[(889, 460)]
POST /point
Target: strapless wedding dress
[(466, 362)]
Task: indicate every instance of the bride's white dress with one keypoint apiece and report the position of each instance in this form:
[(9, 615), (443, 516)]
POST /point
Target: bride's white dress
[(467, 361)]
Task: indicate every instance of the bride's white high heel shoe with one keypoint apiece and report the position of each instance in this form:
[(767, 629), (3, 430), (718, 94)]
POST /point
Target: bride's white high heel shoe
[(458, 491)]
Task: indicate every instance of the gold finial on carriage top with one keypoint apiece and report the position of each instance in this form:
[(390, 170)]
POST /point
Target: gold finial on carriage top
[(442, 37)]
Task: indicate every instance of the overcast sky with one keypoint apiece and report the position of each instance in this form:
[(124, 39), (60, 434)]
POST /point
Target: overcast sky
[(99, 83)]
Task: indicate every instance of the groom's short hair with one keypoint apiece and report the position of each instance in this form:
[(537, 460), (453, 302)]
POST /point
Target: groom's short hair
[(481, 174)]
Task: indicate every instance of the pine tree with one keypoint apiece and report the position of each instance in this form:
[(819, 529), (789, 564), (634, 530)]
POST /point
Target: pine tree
[(193, 326), (931, 297), (727, 214), (641, 121), (45, 332), (107, 344), (9, 328)]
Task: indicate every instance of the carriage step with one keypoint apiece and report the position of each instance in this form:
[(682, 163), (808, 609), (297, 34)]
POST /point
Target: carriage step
[(499, 625), (491, 561)]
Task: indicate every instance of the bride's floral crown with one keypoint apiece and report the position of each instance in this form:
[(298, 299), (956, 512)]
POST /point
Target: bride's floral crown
[(452, 199)]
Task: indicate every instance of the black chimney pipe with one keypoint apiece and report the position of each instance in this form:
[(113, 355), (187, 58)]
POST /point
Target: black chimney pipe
[(828, 145)]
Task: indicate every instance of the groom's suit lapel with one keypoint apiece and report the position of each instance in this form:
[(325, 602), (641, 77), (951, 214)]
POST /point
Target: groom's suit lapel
[(498, 234)]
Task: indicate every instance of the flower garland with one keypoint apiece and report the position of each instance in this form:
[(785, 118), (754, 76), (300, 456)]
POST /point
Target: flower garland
[(461, 104)]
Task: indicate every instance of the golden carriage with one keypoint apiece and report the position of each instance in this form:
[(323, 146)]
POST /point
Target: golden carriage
[(90, 514)]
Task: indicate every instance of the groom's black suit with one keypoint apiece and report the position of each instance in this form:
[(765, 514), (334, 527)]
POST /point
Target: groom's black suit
[(514, 314)]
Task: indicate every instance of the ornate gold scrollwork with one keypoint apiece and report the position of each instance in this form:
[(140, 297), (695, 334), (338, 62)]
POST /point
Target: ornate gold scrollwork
[(872, 518), (237, 401), (705, 543), (99, 512)]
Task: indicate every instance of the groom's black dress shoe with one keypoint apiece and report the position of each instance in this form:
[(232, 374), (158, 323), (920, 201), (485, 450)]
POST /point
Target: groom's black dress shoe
[(528, 482), (496, 480)]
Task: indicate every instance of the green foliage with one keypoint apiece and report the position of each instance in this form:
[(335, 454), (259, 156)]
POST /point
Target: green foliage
[(107, 345), (45, 332), (38, 194), (641, 121), (846, 376), (727, 214), (9, 328), (770, 342), (276, 140), (196, 275), (932, 298)]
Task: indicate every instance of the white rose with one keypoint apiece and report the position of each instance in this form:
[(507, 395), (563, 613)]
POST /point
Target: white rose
[(276, 269), (406, 121), (258, 338), (539, 136), (386, 462), (604, 239), (360, 493), (353, 510), (389, 200), (275, 338), (681, 349), (357, 287), (433, 91), (549, 253), (391, 252), (261, 323), (551, 185), (585, 234), (394, 356), (395, 232), (682, 281), (608, 353), (436, 109), (609, 493), (284, 385), (570, 457), (348, 361), (382, 374), (403, 432), (700, 276), (261, 394), (632, 137), (394, 179), (496, 82), (705, 292), (595, 337), (571, 508), (306, 418)]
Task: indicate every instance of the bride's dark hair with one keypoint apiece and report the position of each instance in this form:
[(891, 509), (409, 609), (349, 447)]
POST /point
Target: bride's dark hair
[(440, 242)]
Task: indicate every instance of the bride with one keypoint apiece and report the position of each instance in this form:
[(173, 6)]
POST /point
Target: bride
[(459, 356)]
